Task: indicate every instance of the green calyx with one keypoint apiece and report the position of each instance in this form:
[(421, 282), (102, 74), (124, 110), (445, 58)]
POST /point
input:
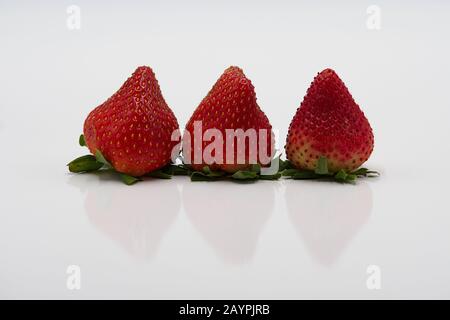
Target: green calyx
[(321, 172), (98, 163), (246, 176)]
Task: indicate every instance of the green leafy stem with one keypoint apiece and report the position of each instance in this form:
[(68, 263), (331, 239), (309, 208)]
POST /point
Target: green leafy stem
[(98, 163)]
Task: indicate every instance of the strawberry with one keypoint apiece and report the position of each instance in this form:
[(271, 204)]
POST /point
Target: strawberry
[(133, 128), (329, 124), (230, 104)]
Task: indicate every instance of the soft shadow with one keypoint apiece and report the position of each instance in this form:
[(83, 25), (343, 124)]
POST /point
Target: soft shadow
[(327, 216), (230, 216), (136, 217)]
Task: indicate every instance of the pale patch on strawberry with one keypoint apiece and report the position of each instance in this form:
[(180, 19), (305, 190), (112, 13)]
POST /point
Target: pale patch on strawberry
[(305, 157)]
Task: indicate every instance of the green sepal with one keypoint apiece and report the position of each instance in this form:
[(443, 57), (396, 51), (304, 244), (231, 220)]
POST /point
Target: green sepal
[(128, 180), (256, 168), (201, 176), (160, 174), (341, 175), (179, 170), (85, 163), (364, 172), (81, 140), (275, 176), (206, 175), (306, 175), (245, 175), (289, 172), (207, 170), (172, 170)]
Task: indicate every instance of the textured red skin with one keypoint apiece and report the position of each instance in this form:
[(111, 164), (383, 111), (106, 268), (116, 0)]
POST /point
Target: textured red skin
[(329, 123), (230, 104), (133, 127)]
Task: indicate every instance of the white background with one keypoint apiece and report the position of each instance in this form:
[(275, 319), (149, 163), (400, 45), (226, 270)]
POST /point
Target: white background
[(177, 239)]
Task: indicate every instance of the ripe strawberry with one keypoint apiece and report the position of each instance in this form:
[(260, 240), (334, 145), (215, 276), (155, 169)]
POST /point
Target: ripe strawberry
[(329, 123), (133, 127), (231, 104)]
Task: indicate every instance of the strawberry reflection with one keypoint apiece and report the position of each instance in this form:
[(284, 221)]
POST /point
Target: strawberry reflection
[(136, 217), (229, 216), (327, 216)]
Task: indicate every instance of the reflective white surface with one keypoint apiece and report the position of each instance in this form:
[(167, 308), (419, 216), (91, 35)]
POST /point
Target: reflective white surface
[(177, 239)]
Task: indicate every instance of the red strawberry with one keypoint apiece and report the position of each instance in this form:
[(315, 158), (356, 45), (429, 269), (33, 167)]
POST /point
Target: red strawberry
[(133, 128), (329, 123), (231, 104)]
